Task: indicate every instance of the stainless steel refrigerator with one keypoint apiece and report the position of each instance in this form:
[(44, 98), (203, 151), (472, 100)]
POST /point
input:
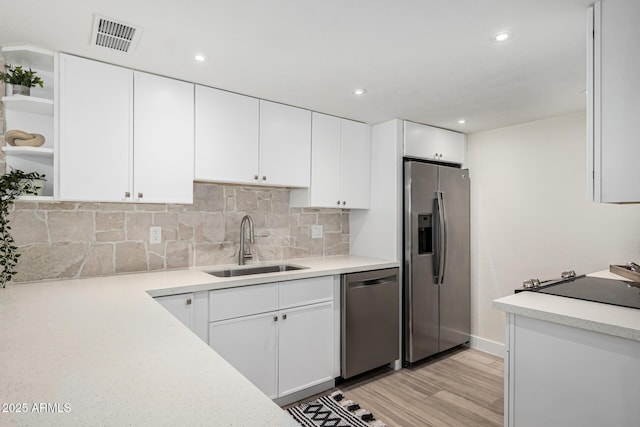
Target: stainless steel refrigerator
[(436, 259)]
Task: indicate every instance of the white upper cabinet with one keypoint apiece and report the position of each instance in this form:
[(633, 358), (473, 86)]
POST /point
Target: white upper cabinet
[(285, 145), (432, 143), (614, 90), (245, 140), (96, 131), (354, 165), (111, 151), (325, 163), (163, 140), (227, 132), (339, 165)]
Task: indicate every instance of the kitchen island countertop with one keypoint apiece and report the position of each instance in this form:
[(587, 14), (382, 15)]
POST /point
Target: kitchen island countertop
[(100, 351), (597, 317)]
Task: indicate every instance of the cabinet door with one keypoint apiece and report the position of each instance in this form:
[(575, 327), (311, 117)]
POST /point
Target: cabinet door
[(354, 165), (617, 110), (226, 136), (181, 306), (163, 140), (95, 130), (285, 145), (325, 161), (419, 141), (428, 142), (452, 146), (249, 344), (305, 347)]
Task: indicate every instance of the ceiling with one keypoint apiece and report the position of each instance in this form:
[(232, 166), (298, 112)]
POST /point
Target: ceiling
[(430, 61)]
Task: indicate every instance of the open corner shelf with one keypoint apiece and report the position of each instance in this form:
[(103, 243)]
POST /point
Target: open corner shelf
[(29, 56), (28, 151), (29, 104)]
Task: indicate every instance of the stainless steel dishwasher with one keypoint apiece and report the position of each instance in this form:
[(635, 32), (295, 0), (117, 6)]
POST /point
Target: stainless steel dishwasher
[(370, 313)]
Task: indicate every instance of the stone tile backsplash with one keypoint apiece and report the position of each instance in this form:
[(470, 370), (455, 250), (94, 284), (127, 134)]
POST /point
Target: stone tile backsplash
[(69, 240)]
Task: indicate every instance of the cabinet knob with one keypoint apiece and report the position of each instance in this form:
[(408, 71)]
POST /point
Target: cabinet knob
[(188, 301), (275, 318), (344, 203), (139, 195), (264, 177), (338, 202), (127, 194), (255, 176), (284, 317)]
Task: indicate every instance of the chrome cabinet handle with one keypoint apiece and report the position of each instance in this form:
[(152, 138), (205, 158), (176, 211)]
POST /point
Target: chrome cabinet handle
[(264, 177), (338, 202), (344, 203), (284, 317), (188, 301), (255, 177), (139, 195), (127, 194), (275, 318)]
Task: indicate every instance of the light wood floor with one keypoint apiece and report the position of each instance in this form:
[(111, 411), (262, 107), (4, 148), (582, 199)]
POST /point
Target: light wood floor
[(460, 388)]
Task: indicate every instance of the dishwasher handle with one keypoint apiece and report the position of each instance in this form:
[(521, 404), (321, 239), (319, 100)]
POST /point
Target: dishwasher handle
[(373, 282)]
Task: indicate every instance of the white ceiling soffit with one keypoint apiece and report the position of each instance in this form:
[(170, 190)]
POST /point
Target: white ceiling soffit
[(109, 33)]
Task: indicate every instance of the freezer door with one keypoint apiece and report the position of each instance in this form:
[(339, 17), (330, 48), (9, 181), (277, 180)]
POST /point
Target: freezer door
[(420, 290), (455, 310)]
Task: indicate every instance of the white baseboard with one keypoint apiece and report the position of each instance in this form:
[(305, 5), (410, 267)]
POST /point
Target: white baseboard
[(488, 346)]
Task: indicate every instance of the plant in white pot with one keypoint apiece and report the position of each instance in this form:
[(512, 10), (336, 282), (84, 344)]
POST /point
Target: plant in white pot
[(12, 185), (21, 80)]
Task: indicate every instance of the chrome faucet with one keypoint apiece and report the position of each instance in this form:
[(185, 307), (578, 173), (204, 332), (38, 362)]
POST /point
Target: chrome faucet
[(244, 255)]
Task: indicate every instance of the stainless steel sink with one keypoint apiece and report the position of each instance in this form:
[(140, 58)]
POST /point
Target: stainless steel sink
[(246, 271)]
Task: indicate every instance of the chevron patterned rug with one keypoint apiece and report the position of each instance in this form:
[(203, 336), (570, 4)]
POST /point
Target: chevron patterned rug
[(333, 410)]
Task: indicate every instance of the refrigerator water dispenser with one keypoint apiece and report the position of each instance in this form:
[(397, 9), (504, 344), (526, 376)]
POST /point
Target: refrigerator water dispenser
[(425, 234)]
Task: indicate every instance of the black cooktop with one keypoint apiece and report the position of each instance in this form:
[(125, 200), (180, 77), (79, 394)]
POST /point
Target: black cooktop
[(607, 291)]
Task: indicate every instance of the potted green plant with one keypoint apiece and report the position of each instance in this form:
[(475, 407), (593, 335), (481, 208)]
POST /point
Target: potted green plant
[(20, 79), (12, 185)]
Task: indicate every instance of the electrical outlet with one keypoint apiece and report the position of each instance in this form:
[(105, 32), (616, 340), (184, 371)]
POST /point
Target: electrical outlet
[(316, 232), (155, 234)]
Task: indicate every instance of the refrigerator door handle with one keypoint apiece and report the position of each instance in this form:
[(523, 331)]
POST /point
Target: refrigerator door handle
[(437, 226), (440, 248), (443, 244)]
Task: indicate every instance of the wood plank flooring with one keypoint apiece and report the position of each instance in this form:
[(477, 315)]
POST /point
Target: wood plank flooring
[(460, 388)]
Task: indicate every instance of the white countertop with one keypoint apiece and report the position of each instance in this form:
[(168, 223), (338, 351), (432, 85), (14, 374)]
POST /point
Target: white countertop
[(101, 351), (604, 318)]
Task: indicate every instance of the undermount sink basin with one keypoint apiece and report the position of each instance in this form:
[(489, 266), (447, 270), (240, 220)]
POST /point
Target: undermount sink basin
[(246, 271)]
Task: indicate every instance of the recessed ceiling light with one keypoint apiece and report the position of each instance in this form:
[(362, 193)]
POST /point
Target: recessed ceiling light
[(359, 91), (462, 121), (199, 57), (502, 36)]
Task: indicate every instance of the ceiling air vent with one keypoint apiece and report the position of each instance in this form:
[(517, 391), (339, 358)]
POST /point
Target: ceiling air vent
[(114, 35)]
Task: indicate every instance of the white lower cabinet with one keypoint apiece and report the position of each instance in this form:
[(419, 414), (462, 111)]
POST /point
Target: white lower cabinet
[(282, 351), (191, 309), (305, 343), (250, 345), (558, 375)]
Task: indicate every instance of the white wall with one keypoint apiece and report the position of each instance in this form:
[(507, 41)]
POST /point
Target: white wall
[(530, 217)]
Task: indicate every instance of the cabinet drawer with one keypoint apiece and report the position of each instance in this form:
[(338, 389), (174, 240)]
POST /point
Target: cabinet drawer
[(244, 301), (305, 291)]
